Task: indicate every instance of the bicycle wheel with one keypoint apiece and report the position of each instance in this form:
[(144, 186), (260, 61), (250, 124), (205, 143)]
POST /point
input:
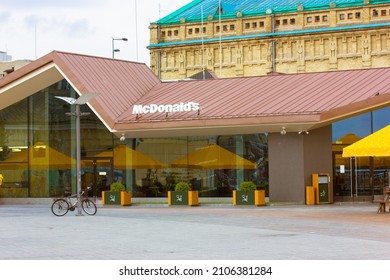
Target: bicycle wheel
[(89, 207), (60, 207)]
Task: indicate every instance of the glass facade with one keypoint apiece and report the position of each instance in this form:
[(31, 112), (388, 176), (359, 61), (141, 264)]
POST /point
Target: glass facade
[(37, 154), (360, 176), (37, 140), (202, 161)]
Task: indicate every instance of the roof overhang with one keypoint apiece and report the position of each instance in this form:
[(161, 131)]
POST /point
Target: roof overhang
[(361, 107), (248, 125), (29, 84), (218, 126)]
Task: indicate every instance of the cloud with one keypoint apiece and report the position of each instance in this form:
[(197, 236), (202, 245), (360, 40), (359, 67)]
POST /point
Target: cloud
[(77, 27), (29, 5), (4, 17)]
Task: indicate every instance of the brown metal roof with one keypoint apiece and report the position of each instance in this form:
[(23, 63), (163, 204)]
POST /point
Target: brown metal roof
[(282, 99), (120, 83), (235, 105)]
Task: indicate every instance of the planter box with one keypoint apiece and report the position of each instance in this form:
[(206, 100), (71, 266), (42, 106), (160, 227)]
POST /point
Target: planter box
[(183, 198), (116, 198), (249, 198)]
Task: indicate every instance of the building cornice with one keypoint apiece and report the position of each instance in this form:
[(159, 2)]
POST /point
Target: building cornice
[(272, 35)]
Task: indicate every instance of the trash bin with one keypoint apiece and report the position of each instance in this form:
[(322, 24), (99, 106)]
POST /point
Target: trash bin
[(321, 184)]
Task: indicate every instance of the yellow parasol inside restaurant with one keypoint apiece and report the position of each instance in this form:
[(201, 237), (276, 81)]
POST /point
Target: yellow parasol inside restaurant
[(126, 158), (374, 145), (213, 156), (40, 157)]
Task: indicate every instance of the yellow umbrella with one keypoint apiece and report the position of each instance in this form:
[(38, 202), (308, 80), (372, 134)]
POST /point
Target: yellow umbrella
[(126, 158), (374, 145), (41, 157), (213, 157)]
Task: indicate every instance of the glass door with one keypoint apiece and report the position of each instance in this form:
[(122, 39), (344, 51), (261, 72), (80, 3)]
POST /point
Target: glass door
[(342, 185), (352, 176), (96, 175)]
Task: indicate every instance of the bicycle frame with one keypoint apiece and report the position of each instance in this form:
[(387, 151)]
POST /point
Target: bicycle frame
[(88, 206)]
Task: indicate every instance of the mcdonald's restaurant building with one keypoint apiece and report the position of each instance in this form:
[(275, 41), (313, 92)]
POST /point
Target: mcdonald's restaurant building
[(274, 130)]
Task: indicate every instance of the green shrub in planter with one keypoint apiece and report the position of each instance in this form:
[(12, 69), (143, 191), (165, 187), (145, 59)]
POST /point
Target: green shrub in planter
[(247, 186), (117, 195), (117, 187), (248, 195), (182, 195), (182, 187)]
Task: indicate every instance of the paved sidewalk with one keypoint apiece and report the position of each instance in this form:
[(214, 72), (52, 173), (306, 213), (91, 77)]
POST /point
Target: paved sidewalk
[(207, 232)]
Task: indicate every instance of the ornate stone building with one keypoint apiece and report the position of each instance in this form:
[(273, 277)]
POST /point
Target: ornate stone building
[(252, 38)]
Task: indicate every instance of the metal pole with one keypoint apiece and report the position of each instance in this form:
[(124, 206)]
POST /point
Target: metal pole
[(113, 50), (273, 45), (203, 67), (351, 174), (136, 28), (78, 160), (220, 39), (159, 51), (356, 176)]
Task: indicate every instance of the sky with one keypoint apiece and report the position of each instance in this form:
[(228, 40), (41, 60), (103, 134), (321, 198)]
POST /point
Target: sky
[(30, 29)]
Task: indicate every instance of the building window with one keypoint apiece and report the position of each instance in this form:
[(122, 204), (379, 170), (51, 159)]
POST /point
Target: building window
[(277, 22), (292, 21), (342, 16), (254, 24), (285, 22), (176, 32), (163, 34), (343, 133), (325, 18), (170, 33), (261, 24), (218, 28), (204, 29), (375, 13), (197, 30), (225, 28), (350, 15), (383, 13), (190, 31), (247, 25), (231, 27), (309, 19), (357, 15)]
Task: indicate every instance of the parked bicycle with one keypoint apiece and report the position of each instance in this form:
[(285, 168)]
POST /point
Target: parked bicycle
[(61, 206)]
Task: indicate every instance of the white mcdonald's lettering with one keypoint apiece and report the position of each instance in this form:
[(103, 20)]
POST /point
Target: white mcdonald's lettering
[(168, 108)]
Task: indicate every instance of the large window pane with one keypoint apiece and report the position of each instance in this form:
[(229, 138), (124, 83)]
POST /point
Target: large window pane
[(13, 151), (381, 118), (359, 176), (201, 162)]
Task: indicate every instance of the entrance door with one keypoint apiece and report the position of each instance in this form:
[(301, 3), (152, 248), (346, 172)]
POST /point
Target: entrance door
[(351, 176), (96, 174)]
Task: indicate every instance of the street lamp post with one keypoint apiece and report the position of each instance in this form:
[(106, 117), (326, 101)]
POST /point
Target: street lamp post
[(114, 50), (79, 101)]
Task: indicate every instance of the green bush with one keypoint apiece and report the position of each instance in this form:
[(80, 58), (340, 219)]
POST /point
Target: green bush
[(117, 187), (182, 187), (247, 186)]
